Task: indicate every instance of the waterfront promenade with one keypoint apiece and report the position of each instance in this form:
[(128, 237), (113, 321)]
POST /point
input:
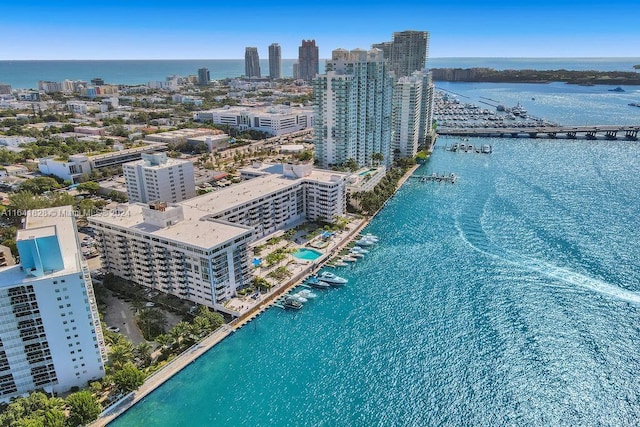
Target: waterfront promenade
[(300, 272)]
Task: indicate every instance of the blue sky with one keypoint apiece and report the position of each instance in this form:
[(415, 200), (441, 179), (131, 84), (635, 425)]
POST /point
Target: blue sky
[(203, 30)]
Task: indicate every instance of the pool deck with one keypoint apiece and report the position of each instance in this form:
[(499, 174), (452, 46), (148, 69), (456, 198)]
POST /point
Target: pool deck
[(265, 301)]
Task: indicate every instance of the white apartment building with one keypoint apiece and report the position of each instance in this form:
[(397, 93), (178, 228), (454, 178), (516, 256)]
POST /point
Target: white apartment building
[(275, 120), (197, 249), (50, 333), (158, 177), (79, 164), (412, 113), (171, 249), (353, 106)]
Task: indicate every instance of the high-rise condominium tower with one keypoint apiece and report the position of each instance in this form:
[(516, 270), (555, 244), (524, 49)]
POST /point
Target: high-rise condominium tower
[(275, 61), (251, 62), (412, 113), (203, 76), (51, 336), (308, 62), (353, 107), (407, 52)]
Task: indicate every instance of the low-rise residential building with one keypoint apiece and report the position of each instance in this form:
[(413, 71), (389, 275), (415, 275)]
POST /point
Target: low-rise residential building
[(158, 177), (275, 120), (50, 333)]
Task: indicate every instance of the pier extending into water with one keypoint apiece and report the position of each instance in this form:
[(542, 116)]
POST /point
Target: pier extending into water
[(608, 132)]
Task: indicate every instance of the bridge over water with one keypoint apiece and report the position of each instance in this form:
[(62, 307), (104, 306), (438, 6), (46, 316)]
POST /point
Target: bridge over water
[(610, 132)]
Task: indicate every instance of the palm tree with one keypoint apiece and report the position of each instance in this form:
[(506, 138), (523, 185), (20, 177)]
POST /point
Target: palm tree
[(120, 354), (151, 322), (179, 332), (143, 352)]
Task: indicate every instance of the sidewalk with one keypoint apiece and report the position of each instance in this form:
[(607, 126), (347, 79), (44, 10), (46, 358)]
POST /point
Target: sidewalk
[(157, 379)]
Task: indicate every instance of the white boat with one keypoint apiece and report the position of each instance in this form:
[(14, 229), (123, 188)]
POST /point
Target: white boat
[(306, 293), (348, 258), (298, 297), (364, 242), (327, 276), (292, 304), (371, 237), (315, 283), (354, 254), (339, 264), (359, 249)]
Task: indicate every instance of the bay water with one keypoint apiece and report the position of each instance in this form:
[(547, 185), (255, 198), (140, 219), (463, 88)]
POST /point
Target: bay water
[(511, 297)]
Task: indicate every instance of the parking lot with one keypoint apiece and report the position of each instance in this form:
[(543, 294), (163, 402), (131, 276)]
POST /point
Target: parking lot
[(119, 314)]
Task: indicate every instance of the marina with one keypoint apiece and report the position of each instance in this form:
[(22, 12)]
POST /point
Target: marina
[(435, 177)]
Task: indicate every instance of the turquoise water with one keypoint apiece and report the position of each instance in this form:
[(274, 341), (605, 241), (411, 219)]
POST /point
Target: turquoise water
[(509, 298), (307, 254)]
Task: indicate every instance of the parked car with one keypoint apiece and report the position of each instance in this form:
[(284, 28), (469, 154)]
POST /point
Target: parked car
[(113, 329)]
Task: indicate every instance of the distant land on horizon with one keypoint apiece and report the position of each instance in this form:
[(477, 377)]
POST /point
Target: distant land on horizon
[(569, 58)]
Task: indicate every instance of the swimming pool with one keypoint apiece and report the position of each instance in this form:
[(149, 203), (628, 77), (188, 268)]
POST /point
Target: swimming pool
[(307, 254), (368, 171)]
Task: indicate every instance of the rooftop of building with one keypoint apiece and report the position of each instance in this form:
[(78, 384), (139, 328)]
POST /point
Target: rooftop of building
[(274, 110), (43, 223), (190, 231), (157, 161)]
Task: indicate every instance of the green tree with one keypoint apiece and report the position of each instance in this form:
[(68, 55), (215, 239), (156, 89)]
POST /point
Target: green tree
[(128, 378), (90, 187), (377, 158), (351, 164), (39, 185), (151, 322), (143, 353), (83, 408), (54, 417), (120, 354)]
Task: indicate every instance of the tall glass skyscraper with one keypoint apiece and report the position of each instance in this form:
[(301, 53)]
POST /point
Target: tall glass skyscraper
[(275, 61), (353, 108), (251, 62), (308, 61)]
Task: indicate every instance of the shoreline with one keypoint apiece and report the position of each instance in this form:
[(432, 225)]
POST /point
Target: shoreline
[(193, 353)]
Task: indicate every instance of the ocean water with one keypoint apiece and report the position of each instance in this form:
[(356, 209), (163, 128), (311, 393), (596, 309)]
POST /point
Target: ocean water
[(26, 74), (511, 297)]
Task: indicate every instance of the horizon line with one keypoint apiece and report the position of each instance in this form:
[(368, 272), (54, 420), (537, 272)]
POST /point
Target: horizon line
[(295, 59)]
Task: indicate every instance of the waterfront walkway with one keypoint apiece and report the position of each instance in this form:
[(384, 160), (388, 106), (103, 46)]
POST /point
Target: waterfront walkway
[(157, 379), (301, 271)]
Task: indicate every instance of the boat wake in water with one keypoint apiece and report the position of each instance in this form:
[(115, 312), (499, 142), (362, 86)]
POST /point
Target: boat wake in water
[(477, 239)]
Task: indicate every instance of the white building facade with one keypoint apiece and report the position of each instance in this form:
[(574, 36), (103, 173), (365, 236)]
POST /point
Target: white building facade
[(77, 165), (412, 113), (197, 249), (275, 120), (50, 332), (353, 106), (157, 177)]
